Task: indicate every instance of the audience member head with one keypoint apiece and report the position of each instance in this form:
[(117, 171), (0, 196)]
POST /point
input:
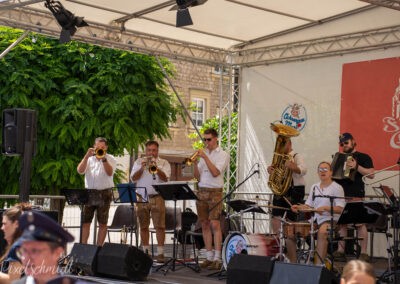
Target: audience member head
[(42, 244), (357, 272), (10, 221)]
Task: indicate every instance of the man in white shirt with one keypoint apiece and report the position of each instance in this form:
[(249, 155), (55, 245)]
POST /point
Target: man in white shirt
[(99, 172), (145, 172), (317, 200), (209, 171)]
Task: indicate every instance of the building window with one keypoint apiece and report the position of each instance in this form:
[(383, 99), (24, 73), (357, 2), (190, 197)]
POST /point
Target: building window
[(198, 111)]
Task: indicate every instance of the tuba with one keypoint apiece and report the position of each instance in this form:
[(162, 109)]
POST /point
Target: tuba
[(281, 178)]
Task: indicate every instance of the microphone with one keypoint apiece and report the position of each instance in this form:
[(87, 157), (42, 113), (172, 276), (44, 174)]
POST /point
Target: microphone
[(258, 170)]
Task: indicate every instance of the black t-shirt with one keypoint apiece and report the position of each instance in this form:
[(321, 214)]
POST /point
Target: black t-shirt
[(356, 188)]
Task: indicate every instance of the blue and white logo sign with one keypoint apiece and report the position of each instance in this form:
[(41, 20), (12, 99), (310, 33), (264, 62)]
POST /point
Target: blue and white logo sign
[(295, 116)]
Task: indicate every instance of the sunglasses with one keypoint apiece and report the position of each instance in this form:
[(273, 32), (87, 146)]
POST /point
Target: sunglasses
[(207, 139), (344, 143), (323, 170)]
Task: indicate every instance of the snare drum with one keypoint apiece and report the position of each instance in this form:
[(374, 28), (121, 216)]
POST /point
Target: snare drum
[(301, 229), (253, 244)]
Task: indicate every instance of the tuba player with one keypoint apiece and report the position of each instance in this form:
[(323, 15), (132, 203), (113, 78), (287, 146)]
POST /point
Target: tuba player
[(295, 195)]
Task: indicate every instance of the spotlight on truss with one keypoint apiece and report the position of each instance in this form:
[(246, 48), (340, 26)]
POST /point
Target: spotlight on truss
[(182, 15), (66, 19)]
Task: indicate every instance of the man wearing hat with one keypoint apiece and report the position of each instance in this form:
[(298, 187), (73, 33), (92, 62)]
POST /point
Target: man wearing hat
[(42, 244), (354, 190)]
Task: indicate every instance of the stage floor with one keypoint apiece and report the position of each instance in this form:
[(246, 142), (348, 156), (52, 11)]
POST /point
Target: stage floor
[(184, 275)]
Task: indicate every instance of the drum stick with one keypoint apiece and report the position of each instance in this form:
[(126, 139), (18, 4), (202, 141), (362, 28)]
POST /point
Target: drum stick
[(287, 201)]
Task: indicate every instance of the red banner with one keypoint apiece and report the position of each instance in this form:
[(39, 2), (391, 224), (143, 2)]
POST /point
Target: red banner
[(370, 108)]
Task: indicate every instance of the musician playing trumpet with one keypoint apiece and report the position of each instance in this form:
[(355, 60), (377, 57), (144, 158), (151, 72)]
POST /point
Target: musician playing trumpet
[(99, 169), (146, 172), (322, 206)]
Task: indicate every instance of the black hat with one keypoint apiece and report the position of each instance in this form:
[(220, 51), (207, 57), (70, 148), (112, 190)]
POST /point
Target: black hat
[(38, 227), (344, 137)]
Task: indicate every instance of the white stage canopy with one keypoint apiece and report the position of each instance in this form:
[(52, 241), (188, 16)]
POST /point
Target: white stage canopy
[(227, 32)]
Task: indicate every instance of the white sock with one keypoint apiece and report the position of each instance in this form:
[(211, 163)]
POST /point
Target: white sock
[(210, 255), (160, 250), (217, 255)]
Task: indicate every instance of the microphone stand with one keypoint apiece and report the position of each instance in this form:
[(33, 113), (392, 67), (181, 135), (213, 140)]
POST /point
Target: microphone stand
[(232, 190), (331, 199)]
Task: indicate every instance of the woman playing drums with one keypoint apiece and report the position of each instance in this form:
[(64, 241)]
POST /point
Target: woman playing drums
[(321, 205)]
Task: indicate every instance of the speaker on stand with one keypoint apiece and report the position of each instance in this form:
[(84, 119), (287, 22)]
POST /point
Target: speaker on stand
[(19, 138)]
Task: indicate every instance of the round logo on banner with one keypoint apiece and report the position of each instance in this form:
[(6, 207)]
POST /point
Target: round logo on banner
[(295, 116)]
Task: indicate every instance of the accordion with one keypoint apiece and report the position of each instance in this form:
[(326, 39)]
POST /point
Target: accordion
[(339, 169)]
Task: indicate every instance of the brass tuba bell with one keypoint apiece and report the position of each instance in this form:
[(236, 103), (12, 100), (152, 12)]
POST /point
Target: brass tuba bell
[(281, 178)]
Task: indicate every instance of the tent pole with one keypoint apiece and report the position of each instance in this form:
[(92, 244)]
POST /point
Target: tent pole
[(7, 50), (179, 98)]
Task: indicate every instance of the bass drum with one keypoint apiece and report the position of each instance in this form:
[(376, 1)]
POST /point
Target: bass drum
[(252, 244), (230, 225)]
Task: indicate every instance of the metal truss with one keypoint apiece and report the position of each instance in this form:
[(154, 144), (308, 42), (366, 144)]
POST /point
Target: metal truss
[(229, 101), (114, 36), (392, 4), (322, 47)]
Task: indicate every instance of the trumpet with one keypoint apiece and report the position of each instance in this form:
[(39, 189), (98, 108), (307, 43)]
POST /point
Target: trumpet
[(153, 169), (151, 165), (189, 161), (100, 153)]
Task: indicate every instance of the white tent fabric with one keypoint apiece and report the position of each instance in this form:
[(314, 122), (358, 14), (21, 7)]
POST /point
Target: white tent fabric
[(251, 32)]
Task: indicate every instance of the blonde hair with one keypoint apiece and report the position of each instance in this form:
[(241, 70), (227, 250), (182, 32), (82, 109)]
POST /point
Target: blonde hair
[(357, 266)]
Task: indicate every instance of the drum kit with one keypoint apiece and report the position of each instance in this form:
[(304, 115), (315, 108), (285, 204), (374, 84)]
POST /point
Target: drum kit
[(240, 242)]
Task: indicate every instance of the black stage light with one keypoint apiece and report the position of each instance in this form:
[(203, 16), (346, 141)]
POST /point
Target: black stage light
[(183, 16), (66, 19)]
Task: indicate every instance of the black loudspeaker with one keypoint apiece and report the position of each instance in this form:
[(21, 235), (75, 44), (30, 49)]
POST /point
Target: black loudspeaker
[(83, 259), (19, 125), (243, 268), (123, 262), (53, 214), (289, 273)]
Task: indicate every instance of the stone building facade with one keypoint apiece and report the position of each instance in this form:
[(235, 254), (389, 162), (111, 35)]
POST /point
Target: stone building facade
[(196, 84)]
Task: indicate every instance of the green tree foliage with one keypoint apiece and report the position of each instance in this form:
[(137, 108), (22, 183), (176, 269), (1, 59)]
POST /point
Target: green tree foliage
[(214, 123), (80, 92)]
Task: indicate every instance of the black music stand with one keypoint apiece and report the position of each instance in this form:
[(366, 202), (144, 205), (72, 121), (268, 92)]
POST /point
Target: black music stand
[(360, 212), (175, 192), (77, 197)]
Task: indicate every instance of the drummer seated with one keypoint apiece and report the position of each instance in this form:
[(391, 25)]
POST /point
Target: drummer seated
[(319, 201), (322, 233)]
